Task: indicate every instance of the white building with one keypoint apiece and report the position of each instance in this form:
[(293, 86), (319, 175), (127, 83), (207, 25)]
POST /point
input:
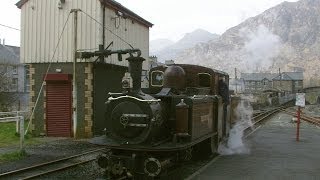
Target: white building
[(47, 43)]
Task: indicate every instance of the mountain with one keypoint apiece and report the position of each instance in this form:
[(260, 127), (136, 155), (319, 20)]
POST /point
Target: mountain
[(286, 36), (159, 44), (170, 51)]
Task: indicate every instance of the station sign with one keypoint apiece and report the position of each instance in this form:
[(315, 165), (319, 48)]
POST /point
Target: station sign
[(300, 99)]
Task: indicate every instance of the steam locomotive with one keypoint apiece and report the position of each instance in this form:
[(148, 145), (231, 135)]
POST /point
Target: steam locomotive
[(186, 112)]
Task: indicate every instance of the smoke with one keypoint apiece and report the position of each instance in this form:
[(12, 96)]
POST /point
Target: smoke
[(235, 144), (260, 47)]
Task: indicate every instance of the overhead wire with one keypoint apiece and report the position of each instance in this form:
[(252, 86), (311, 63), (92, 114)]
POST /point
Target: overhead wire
[(55, 50), (10, 27), (47, 71), (107, 29)]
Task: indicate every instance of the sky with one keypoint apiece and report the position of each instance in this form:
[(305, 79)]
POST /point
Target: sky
[(171, 18)]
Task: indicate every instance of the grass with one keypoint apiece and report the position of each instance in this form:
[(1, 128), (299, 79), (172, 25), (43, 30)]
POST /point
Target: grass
[(12, 156), (8, 136)]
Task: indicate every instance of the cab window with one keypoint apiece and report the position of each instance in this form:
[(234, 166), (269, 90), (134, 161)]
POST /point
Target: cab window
[(157, 78), (204, 79)]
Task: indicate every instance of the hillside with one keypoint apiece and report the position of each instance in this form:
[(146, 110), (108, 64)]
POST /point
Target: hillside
[(167, 51), (285, 36)]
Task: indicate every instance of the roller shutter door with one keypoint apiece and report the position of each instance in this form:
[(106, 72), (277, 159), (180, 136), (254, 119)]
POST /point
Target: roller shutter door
[(58, 109)]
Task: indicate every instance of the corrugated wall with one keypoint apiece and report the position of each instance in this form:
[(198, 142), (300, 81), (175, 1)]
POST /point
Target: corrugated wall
[(42, 23), (131, 31)]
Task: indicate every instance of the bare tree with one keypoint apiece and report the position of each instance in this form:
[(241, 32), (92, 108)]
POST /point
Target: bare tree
[(8, 94)]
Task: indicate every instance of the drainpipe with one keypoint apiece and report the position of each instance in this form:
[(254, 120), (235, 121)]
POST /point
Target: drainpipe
[(103, 25)]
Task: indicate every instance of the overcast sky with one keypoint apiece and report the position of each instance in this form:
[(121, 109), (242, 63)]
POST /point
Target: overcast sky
[(171, 18)]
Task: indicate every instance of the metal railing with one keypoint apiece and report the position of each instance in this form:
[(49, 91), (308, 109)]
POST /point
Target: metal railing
[(12, 117), (17, 117)]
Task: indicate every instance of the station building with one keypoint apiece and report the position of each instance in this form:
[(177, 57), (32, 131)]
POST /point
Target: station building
[(47, 47)]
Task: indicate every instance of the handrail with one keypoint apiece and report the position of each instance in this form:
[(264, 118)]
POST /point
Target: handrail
[(19, 128)]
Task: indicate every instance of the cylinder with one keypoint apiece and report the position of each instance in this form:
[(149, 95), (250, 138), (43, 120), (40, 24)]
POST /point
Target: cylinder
[(182, 117)]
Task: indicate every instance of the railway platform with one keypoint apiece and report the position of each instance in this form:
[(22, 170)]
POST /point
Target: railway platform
[(274, 154)]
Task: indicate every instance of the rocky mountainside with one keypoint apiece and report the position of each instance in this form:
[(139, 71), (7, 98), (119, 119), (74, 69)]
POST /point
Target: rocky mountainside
[(286, 36), (166, 51)]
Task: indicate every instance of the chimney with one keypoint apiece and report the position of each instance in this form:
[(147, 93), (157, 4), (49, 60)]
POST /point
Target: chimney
[(135, 70)]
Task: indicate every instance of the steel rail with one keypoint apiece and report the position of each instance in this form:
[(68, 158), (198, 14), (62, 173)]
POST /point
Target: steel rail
[(313, 120), (56, 169), (47, 163), (264, 115)]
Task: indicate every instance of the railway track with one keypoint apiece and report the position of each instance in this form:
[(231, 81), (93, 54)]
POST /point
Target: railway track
[(258, 118), (52, 166), (309, 119)]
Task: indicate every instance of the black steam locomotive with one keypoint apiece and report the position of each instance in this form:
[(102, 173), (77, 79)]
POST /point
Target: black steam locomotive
[(185, 113)]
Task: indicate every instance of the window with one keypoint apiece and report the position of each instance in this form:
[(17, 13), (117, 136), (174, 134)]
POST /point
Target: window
[(157, 78), (14, 85), (204, 79), (15, 81), (9, 70), (298, 83), (14, 70)]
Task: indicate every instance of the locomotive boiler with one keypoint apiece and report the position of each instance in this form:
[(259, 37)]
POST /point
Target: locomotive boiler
[(183, 114)]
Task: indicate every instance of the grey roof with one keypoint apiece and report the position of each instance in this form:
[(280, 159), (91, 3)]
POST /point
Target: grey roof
[(258, 76), (289, 76), (112, 4), (9, 54)]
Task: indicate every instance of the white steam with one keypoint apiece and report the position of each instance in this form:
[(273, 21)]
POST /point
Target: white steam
[(260, 47), (235, 143)]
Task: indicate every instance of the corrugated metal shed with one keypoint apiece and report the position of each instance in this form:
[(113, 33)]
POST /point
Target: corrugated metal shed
[(42, 22)]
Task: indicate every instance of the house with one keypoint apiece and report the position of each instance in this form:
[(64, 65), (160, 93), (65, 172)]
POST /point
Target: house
[(257, 82), (236, 85), (290, 82), (50, 31), (13, 80)]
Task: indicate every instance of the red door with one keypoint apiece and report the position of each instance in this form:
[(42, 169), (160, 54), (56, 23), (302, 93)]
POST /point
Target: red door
[(58, 106)]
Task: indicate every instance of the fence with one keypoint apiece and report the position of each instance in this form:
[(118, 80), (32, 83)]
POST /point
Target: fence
[(17, 117)]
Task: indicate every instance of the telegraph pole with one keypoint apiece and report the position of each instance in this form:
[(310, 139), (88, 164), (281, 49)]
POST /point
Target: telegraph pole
[(74, 83), (280, 79), (235, 79)]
